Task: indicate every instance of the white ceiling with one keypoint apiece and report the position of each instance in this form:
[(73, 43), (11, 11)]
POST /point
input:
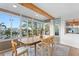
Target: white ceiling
[(22, 10), (63, 10)]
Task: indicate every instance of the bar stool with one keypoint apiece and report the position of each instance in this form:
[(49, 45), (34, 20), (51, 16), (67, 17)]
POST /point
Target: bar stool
[(18, 51)]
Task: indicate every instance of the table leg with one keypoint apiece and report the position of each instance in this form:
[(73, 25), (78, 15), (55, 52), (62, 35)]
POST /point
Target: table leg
[(52, 48), (35, 49)]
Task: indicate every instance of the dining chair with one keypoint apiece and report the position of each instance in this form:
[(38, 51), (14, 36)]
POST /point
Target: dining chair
[(17, 51), (46, 43)]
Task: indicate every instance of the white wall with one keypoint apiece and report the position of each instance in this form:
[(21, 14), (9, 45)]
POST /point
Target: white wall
[(52, 28), (68, 39)]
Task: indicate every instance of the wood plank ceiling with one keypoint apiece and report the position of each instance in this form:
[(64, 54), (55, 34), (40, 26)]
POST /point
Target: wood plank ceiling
[(37, 9)]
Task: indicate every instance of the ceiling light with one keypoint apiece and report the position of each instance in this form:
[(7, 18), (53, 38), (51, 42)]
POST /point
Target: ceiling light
[(36, 15), (14, 6)]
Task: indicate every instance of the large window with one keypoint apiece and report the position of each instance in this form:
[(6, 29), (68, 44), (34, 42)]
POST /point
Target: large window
[(13, 26)]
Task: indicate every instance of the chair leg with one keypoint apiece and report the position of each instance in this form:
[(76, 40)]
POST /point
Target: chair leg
[(26, 53), (13, 53), (52, 49), (49, 51), (42, 51)]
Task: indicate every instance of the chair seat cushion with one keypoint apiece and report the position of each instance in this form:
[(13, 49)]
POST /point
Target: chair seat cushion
[(21, 50)]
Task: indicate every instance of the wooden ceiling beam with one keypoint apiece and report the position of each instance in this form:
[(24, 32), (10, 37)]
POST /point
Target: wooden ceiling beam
[(36, 9), (8, 11)]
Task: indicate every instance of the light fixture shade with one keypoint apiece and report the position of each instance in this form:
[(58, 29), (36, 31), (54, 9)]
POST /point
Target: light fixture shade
[(14, 6)]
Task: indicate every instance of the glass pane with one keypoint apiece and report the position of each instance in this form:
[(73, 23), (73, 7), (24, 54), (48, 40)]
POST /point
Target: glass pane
[(29, 28), (9, 26), (15, 26), (24, 27), (39, 28), (34, 28), (46, 29), (4, 26)]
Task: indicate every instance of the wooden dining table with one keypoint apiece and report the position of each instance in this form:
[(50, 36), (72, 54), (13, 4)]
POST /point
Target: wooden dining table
[(30, 42)]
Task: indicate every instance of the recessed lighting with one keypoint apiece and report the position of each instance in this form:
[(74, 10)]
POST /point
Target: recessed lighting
[(36, 15), (14, 6)]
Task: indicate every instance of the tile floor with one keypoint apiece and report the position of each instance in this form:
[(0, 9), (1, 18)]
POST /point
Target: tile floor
[(57, 50)]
